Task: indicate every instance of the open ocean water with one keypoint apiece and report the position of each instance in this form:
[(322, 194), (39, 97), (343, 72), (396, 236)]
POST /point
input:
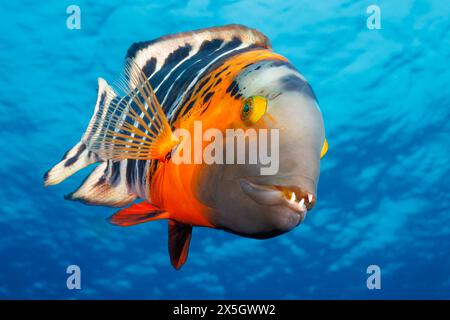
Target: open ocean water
[(384, 189)]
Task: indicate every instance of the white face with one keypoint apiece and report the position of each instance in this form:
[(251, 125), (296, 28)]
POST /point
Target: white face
[(262, 206)]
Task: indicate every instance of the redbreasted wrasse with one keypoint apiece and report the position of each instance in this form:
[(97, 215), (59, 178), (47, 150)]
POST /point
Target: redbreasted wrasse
[(226, 78)]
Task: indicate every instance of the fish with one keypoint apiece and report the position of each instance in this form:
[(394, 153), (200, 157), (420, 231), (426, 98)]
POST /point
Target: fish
[(223, 78)]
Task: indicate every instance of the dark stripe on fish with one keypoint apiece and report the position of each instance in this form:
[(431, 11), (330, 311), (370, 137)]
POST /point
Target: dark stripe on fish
[(216, 65), (221, 71), (74, 159), (131, 172), (171, 61), (115, 172), (294, 82), (190, 69), (208, 96), (149, 67)]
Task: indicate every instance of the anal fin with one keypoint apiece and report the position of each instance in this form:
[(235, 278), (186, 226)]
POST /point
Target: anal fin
[(179, 240)]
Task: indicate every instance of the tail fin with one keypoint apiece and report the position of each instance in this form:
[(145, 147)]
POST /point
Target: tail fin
[(105, 96), (75, 159), (79, 156)]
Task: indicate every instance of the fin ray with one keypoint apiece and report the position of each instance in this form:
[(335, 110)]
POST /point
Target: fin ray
[(133, 127)]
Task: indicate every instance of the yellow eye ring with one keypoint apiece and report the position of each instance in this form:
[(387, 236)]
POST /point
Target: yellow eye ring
[(253, 108)]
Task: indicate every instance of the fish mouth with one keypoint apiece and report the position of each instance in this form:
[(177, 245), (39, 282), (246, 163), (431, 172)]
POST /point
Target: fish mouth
[(294, 197)]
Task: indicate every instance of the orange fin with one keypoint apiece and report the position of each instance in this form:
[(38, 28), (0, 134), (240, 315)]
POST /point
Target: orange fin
[(179, 240), (137, 213)]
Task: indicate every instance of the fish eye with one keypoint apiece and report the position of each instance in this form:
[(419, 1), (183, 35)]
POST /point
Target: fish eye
[(253, 108)]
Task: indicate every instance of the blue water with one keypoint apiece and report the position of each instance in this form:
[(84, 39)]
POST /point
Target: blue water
[(383, 193)]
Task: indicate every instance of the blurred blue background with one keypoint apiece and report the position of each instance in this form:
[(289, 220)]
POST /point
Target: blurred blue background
[(384, 189)]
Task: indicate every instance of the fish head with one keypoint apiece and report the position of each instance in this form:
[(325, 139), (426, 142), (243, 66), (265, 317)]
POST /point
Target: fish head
[(268, 198)]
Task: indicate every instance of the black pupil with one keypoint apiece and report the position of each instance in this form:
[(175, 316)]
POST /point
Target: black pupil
[(246, 108)]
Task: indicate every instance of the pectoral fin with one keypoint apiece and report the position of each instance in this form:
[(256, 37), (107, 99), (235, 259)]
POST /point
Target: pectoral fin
[(179, 240), (133, 126)]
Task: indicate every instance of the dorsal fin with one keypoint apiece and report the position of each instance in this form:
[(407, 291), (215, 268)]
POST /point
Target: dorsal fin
[(151, 56)]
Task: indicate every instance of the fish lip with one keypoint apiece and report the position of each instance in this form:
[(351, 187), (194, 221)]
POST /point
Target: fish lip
[(275, 195)]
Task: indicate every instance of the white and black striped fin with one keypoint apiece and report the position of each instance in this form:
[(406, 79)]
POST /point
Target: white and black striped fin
[(95, 190), (105, 96), (74, 160), (121, 181), (80, 156)]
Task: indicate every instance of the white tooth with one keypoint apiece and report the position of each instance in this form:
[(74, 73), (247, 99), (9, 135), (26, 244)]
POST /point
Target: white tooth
[(292, 197), (302, 202), (309, 197)]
